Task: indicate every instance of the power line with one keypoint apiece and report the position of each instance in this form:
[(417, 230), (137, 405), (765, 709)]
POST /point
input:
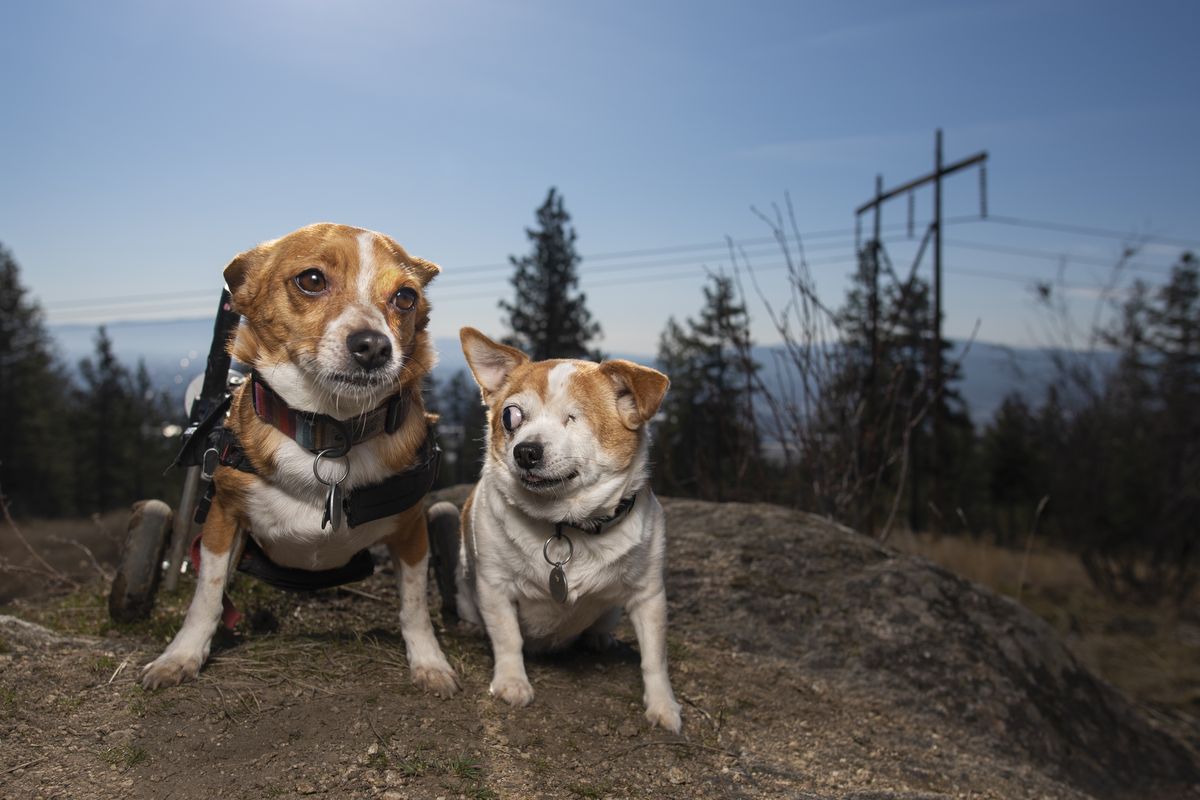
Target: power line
[(1048, 255), (675, 275), (1084, 230), (721, 248), (89, 307)]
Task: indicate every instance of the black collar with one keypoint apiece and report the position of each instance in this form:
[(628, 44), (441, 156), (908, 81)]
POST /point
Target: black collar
[(597, 525), (317, 432)]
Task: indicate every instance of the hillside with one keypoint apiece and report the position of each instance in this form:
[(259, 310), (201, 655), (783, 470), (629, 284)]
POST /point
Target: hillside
[(812, 663), (174, 352)]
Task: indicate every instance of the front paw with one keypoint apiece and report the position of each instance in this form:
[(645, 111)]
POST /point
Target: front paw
[(664, 713), (515, 691), (437, 679), (170, 669)]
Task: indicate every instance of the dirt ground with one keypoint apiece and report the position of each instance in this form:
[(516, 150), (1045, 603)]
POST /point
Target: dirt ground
[(311, 698)]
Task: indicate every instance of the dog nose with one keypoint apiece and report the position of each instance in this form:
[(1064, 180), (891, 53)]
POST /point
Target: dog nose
[(528, 454), (371, 349)]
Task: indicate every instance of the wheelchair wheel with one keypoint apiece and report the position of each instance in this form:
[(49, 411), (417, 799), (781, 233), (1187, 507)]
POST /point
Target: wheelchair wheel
[(133, 589)]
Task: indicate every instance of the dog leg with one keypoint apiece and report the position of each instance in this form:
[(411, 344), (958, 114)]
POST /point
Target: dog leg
[(189, 649), (426, 663), (649, 618), (509, 681)]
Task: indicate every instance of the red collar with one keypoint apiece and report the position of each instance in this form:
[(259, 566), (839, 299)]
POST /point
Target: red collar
[(318, 432)]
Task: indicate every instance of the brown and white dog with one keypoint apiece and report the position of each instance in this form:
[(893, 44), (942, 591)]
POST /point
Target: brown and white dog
[(562, 531), (334, 322)]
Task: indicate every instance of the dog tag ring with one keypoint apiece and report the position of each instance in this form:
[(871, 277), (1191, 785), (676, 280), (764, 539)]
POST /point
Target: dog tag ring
[(558, 578)]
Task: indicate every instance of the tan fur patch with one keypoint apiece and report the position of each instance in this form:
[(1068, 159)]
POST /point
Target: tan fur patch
[(411, 538), (597, 399), (220, 527)]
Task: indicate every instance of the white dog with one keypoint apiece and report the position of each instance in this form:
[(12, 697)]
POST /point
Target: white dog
[(562, 531)]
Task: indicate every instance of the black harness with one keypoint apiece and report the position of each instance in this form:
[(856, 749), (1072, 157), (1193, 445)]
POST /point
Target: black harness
[(361, 505)]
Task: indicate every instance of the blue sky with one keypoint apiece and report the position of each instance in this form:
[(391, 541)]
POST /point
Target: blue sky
[(145, 143)]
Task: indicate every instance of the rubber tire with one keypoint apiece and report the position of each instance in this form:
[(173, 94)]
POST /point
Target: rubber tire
[(136, 582)]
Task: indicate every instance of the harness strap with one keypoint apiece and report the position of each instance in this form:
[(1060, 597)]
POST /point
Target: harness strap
[(397, 493), (255, 562)]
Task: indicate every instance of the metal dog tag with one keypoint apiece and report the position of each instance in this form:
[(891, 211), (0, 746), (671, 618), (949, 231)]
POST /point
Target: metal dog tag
[(333, 507), (558, 584)]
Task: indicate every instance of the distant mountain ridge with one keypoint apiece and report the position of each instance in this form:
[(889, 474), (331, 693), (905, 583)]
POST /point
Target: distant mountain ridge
[(174, 352)]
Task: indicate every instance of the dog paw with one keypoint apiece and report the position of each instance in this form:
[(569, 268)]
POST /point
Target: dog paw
[(514, 691), (665, 714), (170, 669), (437, 679)]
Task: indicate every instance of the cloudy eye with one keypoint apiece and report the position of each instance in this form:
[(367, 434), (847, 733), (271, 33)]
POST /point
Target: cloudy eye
[(311, 281), (512, 417), (405, 299)]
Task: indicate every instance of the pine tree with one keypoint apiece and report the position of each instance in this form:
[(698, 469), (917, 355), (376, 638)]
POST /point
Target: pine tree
[(548, 316), (460, 427), (104, 421), (709, 440), (35, 449), (1014, 458), (882, 388)]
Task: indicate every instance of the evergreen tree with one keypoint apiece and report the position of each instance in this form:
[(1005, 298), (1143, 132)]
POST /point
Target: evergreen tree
[(1135, 500), (1014, 456), (883, 385), (709, 439), (548, 316), (35, 452), (104, 419), (460, 428)]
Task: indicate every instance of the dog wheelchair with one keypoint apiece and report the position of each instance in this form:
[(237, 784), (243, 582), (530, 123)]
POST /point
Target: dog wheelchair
[(157, 540)]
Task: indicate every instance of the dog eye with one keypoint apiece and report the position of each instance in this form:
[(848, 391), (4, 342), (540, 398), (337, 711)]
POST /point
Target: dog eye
[(311, 281), (405, 299), (512, 417)]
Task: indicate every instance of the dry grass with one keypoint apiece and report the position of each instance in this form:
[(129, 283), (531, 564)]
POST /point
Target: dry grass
[(79, 549), (1151, 653)]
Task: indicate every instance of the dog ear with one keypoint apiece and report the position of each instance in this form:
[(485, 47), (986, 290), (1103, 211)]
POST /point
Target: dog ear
[(490, 362), (640, 390), (238, 273), (424, 270)]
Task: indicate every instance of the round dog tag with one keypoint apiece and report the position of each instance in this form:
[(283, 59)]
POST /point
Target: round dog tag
[(333, 507), (558, 584)]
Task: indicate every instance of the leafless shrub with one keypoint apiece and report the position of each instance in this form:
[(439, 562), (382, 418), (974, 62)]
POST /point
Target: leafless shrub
[(843, 419)]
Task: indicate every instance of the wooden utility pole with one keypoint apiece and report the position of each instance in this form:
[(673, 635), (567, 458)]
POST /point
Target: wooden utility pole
[(940, 170)]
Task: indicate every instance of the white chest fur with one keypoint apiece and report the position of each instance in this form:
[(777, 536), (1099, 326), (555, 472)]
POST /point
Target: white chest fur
[(604, 572), (286, 513)]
